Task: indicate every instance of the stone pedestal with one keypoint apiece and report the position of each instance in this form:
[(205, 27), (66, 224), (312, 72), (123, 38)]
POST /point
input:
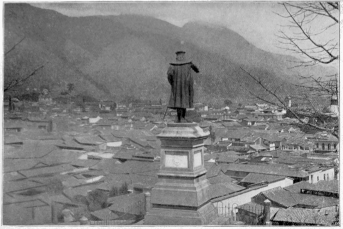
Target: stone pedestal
[(181, 195)]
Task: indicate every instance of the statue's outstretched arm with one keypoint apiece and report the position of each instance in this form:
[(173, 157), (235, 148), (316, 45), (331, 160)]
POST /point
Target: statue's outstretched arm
[(195, 68)]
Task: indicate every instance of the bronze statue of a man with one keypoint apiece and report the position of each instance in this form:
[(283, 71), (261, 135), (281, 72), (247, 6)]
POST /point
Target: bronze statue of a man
[(181, 81)]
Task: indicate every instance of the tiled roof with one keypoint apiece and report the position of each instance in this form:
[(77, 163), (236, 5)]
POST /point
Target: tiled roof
[(118, 178), (328, 137), (29, 203), (256, 178), (290, 199), (224, 158), (124, 154), (213, 171), (60, 198), (280, 196), (81, 190), (12, 176), (130, 167), (30, 149), (85, 163), (97, 155), (208, 157), (72, 182), (139, 142), (104, 214), (272, 138), (222, 189), (71, 144), (252, 207), (109, 138), (13, 125), (89, 140), (104, 122), (231, 124), (240, 133), (48, 180), (224, 143), (91, 173), (314, 200), (20, 185), (47, 170), (132, 204), (257, 147), (144, 179), (60, 156), (12, 139), (284, 159), (252, 119), (239, 148), (326, 186), (11, 165), (221, 178), (141, 166), (249, 138), (120, 134), (305, 216), (208, 165), (107, 166), (140, 134), (265, 169), (144, 155)]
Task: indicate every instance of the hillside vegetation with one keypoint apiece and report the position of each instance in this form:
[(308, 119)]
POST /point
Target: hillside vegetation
[(127, 56)]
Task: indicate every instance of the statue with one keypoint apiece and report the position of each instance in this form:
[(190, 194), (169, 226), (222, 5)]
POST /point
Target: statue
[(181, 81)]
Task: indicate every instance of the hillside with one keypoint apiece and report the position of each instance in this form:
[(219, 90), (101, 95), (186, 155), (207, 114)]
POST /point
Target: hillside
[(121, 56)]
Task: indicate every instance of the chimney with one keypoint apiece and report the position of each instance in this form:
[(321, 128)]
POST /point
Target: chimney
[(54, 213), (334, 100), (10, 103), (84, 220), (50, 126), (267, 205), (147, 201)]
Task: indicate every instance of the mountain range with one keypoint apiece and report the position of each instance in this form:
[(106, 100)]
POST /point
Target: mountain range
[(128, 56)]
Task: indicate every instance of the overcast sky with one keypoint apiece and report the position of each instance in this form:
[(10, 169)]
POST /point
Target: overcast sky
[(257, 22)]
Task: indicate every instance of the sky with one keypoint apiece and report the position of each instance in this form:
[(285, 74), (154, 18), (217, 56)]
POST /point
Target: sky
[(257, 22)]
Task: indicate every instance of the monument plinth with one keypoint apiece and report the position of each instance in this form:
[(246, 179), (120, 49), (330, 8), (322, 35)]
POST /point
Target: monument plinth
[(181, 195)]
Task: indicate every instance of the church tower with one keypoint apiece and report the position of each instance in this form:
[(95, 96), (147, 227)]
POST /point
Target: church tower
[(334, 105)]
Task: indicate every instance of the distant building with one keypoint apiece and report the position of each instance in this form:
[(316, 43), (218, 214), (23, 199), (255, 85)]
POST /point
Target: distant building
[(227, 205), (107, 105), (200, 107), (333, 109), (288, 101), (154, 108), (45, 97), (325, 143), (122, 110), (226, 113)]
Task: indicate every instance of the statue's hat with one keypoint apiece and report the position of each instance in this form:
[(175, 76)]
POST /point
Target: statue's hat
[(180, 52), (180, 56)]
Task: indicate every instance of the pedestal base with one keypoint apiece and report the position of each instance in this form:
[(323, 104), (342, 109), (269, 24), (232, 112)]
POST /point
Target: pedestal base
[(178, 216), (182, 194), (181, 191)]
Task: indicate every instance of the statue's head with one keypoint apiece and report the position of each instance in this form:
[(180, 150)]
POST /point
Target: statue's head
[(180, 55)]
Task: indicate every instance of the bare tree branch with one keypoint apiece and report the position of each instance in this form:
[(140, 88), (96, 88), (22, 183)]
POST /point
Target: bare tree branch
[(11, 49), (283, 105), (302, 18), (328, 13), (333, 4), (19, 81)]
